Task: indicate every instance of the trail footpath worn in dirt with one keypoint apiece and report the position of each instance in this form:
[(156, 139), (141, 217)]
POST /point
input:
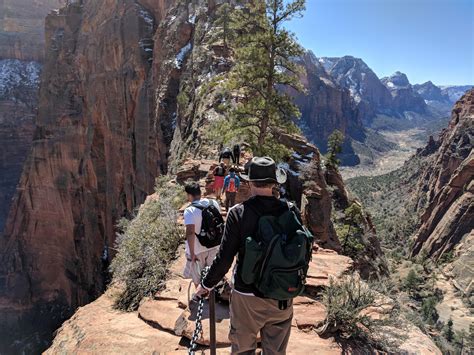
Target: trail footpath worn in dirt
[(164, 324)]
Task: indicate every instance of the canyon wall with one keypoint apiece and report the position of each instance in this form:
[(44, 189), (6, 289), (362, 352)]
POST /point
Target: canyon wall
[(96, 152), (447, 186), (21, 56), (22, 28), (325, 107)]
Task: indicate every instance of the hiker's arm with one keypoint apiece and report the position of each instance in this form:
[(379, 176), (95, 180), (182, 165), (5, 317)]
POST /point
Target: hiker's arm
[(226, 183), (229, 248), (190, 237)]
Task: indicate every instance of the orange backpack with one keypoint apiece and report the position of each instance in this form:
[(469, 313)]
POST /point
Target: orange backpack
[(231, 186)]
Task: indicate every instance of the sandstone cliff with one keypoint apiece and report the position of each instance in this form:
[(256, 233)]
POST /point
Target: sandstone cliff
[(22, 28), (448, 186), (19, 84), (96, 152), (21, 54), (404, 97)]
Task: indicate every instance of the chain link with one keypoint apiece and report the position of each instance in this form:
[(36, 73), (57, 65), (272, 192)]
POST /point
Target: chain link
[(198, 331)]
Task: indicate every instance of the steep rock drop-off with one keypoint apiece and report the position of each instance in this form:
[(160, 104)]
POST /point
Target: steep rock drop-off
[(96, 152), (448, 186), (19, 84), (447, 219), (21, 57)]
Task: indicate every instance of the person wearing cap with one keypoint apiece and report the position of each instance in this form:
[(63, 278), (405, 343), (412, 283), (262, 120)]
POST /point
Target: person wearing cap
[(250, 312)]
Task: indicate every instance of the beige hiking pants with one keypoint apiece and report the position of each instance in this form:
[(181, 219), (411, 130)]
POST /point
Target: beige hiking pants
[(250, 315)]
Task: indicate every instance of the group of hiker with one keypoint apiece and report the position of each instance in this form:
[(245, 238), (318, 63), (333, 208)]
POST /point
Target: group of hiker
[(225, 178), (272, 247)]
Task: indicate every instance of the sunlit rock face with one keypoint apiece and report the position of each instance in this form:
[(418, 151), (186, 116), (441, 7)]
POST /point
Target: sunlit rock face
[(95, 154), (448, 188)]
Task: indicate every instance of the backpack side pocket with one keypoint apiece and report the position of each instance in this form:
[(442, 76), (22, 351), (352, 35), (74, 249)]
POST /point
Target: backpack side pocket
[(252, 260)]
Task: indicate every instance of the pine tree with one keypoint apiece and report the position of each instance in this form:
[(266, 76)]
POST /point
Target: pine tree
[(412, 281), (335, 141), (224, 23), (264, 54), (448, 332)]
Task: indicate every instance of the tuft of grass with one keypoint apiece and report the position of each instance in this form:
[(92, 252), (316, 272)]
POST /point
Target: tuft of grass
[(147, 245)]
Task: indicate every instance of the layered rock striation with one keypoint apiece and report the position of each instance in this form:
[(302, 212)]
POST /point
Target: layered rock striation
[(21, 56), (448, 186), (96, 152), (22, 28)]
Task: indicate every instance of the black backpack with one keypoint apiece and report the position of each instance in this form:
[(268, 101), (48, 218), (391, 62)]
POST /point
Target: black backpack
[(212, 226)]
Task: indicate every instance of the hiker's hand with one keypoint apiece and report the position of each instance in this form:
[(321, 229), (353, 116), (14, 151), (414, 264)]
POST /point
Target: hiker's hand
[(201, 291), (192, 258)]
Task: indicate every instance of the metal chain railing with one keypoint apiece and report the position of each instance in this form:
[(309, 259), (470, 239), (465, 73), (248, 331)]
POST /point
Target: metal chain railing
[(197, 334)]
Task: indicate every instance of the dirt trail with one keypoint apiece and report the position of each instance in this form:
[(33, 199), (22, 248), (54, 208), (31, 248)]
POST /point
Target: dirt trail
[(164, 324)]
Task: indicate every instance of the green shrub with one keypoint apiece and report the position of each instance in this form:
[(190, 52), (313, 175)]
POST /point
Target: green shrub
[(412, 281), (146, 246), (428, 310), (345, 301), (350, 233)]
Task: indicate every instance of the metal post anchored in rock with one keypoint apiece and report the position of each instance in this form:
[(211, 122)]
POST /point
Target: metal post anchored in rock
[(212, 321)]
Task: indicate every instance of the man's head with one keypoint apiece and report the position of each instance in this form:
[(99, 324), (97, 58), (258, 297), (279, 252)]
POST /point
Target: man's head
[(193, 191), (262, 188), (222, 165), (264, 176), (232, 171)]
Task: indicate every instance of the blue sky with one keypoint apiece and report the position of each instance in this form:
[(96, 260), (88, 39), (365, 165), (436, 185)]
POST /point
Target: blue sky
[(425, 39)]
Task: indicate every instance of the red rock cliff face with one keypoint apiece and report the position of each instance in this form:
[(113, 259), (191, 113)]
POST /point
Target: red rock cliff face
[(22, 28), (97, 149), (448, 186), (21, 55)]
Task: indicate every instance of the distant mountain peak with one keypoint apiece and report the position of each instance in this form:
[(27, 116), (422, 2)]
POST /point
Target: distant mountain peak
[(397, 80)]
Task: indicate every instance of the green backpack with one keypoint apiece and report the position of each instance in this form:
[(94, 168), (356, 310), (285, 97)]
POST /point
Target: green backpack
[(277, 258)]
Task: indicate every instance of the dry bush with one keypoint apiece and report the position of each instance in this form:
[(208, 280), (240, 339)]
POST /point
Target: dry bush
[(146, 246)]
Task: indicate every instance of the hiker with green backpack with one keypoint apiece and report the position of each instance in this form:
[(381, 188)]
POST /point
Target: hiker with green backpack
[(273, 251)]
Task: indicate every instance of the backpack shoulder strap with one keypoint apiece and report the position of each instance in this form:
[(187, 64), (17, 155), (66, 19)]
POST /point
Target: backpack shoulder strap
[(197, 205)]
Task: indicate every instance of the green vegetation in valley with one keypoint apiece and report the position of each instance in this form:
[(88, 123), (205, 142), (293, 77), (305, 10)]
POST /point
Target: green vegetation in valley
[(392, 201), (146, 246)]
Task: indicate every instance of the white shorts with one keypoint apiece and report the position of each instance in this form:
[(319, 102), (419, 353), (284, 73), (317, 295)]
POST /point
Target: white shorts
[(193, 270)]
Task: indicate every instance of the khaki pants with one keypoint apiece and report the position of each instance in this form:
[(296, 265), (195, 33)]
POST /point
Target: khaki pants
[(250, 315), (193, 270)]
